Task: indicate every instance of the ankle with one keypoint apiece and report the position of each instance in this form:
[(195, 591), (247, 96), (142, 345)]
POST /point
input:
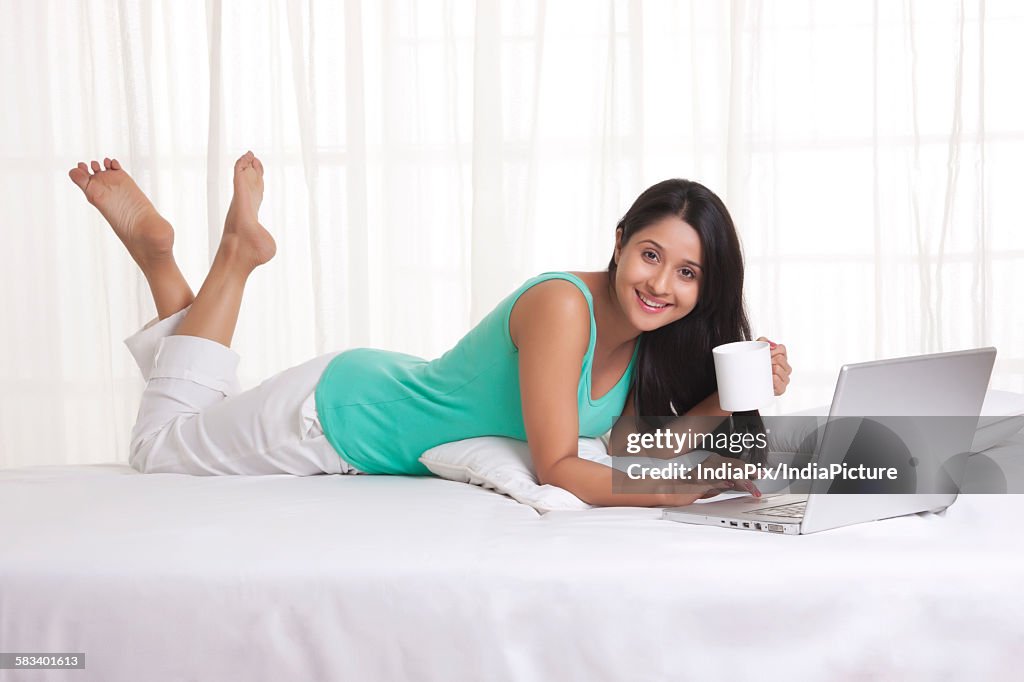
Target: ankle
[(155, 265), (234, 255)]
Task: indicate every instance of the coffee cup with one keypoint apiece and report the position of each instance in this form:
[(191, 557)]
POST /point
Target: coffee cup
[(744, 371)]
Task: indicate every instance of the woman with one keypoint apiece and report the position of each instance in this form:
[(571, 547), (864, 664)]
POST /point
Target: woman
[(562, 356)]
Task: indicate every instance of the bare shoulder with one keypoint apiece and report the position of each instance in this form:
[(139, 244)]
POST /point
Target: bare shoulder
[(555, 305)]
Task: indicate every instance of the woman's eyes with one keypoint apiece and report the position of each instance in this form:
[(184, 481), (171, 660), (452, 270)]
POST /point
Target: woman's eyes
[(687, 273)]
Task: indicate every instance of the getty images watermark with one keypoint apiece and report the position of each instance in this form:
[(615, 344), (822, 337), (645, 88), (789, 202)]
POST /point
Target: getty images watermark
[(781, 471), (817, 454)]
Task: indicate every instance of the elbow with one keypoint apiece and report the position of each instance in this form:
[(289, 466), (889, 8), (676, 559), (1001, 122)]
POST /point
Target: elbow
[(544, 476), (552, 473)]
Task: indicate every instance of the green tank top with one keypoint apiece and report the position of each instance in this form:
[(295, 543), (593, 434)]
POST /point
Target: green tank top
[(381, 410)]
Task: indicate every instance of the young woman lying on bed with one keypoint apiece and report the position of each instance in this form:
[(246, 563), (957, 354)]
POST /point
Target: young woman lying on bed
[(562, 356)]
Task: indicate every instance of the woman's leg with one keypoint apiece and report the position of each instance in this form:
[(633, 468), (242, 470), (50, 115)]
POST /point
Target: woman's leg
[(194, 419), (148, 237), (188, 425), (244, 246), (191, 418)]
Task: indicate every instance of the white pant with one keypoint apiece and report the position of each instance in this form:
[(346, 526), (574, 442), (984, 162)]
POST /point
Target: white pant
[(194, 419)]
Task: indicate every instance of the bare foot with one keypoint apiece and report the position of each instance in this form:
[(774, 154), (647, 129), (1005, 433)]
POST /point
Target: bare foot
[(243, 234), (144, 232)]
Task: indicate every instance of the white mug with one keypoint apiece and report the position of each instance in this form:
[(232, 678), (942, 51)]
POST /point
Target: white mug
[(744, 371)]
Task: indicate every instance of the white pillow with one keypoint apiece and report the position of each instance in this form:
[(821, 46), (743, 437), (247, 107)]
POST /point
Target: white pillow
[(505, 465)]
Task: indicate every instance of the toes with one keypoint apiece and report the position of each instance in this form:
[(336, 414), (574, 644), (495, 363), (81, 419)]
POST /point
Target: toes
[(80, 176), (85, 169), (115, 164), (246, 160), (258, 165), (106, 164), (96, 167)]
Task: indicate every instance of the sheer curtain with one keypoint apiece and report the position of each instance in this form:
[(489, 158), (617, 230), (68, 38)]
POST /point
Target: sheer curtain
[(423, 158)]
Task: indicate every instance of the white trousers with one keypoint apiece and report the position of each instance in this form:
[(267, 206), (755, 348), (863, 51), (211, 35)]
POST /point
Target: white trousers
[(194, 419)]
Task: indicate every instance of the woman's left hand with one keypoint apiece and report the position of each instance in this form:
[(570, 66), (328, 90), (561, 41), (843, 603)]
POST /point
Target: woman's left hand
[(780, 366)]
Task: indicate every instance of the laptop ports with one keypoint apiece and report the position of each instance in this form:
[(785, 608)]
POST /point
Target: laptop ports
[(734, 524), (774, 528)]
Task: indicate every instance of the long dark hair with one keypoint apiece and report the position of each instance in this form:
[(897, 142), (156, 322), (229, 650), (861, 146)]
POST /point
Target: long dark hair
[(674, 368)]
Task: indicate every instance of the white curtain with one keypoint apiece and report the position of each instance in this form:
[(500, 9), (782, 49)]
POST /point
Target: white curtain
[(425, 157)]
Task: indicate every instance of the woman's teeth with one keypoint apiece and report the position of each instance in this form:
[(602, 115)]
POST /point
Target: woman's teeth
[(647, 303)]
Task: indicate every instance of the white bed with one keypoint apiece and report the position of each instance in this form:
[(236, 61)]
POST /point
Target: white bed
[(168, 577)]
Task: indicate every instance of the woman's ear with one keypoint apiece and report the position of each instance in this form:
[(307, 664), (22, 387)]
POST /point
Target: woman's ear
[(618, 244)]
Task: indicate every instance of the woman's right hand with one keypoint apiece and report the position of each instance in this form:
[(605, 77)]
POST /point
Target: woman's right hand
[(708, 486), (739, 483)]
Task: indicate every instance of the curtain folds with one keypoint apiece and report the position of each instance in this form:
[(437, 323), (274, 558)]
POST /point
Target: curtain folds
[(425, 157)]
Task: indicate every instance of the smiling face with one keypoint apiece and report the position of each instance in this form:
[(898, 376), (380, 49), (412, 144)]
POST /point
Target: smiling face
[(658, 273)]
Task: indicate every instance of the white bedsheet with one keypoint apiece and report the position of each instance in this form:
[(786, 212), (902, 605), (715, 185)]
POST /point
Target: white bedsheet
[(168, 577)]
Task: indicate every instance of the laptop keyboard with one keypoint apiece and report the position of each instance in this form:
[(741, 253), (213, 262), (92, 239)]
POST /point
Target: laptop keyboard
[(794, 510)]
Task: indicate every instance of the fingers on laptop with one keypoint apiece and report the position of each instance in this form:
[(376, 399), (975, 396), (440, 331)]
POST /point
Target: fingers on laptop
[(746, 485)]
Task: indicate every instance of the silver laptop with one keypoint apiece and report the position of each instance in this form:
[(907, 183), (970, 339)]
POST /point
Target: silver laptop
[(942, 384)]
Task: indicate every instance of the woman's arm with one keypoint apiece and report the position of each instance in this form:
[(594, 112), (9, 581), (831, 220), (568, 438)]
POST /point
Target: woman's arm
[(594, 484), (550, 325)]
